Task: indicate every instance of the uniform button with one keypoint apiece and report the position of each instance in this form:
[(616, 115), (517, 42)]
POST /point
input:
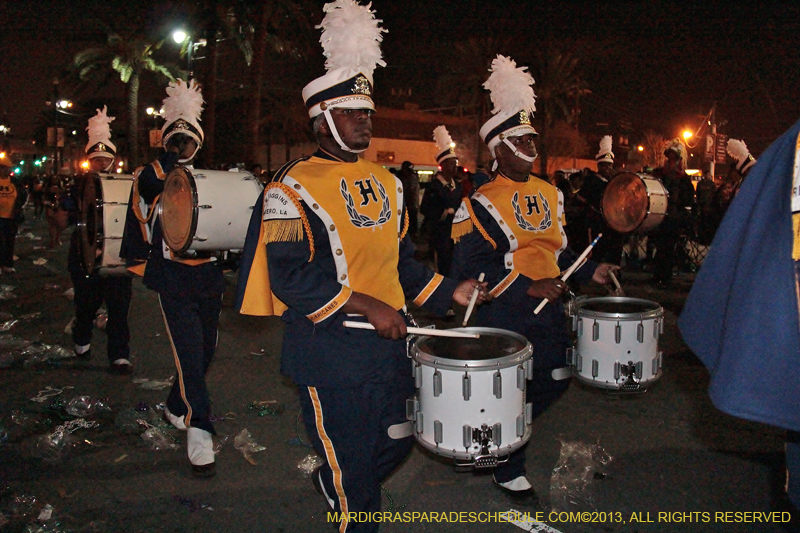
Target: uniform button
[(344, 277), (339, 251), (502, 223), (560, 203), (297, 186), (332, 228), (511, 237), (399, 189), (315, 206), (509, 263), (490, 206)]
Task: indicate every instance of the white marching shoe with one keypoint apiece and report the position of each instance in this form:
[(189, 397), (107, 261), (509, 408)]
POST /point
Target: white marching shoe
[(176, 421), (200, 448)]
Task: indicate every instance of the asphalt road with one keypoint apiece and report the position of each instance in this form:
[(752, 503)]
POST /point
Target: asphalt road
[(674, 463)]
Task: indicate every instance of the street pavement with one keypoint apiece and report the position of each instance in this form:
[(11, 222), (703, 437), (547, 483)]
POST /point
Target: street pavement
[(669, 461)]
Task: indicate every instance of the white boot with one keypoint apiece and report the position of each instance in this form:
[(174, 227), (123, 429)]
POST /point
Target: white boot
[(200, 448)]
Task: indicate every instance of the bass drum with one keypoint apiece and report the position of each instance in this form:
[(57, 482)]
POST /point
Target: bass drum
[(634, 202), (470, 400), (103, 207), (207, 210)]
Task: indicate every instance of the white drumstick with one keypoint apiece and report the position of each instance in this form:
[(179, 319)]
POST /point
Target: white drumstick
[(472, 301), (418, 331), (570, 270), (614, 279)]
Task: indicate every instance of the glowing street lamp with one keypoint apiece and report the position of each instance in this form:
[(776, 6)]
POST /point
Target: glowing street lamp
[(179, 36), (640, 148), (687, 135)]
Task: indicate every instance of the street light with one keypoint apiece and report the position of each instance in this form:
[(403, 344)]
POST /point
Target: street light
[(179, 36), (640, 148), (687, 135)]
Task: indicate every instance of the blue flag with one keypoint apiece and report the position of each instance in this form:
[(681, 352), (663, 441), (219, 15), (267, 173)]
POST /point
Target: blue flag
[(741, 317)]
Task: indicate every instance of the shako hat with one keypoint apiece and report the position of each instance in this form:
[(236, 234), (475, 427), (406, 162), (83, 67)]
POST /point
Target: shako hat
[(514, 102), (445, 147), (181, 111), (605, 155), (100, 144), (744, 159)]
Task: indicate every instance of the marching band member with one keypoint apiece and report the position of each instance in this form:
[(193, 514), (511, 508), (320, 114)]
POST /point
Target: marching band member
[(512, 229), (336, 240), (189, 290), (92, 289)]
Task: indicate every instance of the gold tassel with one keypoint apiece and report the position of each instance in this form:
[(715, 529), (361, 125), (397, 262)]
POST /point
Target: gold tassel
[(462, 228), (283, 230), (796, 229)]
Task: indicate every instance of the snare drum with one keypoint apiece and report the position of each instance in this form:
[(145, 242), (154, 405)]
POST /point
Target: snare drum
[(104, 205), (634, 202), (207, 210), (470, 398), (617, 343)]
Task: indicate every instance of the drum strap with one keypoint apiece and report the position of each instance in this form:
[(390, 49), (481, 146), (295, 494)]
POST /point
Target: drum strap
[(137, 203)]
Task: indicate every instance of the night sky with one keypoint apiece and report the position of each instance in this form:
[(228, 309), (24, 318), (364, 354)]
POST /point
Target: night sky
[(658, 65)]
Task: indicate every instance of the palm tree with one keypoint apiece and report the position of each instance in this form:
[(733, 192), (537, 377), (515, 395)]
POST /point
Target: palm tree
[(127, 55), (557, 85)]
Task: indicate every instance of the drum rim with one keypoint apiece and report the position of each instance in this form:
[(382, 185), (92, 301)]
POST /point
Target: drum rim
[(648, 211), (657, 312), (644, 385), (192, 183), (472, 364), (464, 455)]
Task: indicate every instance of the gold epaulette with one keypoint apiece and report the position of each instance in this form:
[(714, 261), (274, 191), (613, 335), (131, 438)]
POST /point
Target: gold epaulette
[(288, 230), (468, 225)]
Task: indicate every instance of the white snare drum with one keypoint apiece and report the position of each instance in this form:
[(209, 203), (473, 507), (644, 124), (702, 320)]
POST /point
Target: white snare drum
[(634, 202), (104, 205), (470, 399), (617, 343), (207, 210)]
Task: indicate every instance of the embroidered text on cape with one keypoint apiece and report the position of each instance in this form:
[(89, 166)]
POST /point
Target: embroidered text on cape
[(363, 221), (547, 219)]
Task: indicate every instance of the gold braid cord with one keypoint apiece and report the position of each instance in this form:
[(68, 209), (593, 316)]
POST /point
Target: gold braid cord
[(405, 226), (478, 225), (288, 230), (796, 229)]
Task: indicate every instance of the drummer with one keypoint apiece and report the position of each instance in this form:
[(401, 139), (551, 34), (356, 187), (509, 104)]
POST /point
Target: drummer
[(189, 290), (91, 289), (512, 230), (336, 241)]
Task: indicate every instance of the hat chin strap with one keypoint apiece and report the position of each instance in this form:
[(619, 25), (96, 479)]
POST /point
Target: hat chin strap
[(335, 133), (529, 159), (187, 159)]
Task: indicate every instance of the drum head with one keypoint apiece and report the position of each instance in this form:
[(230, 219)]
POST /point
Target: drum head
[(625, 202), (617, 307), (496, 348), (178, 209), (89, 221)]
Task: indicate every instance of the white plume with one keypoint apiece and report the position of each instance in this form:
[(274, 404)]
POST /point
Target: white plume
[(510, 87), (99, 130), (737, 149), (442, 139), (605, 145), (183, 101), (351, 37)]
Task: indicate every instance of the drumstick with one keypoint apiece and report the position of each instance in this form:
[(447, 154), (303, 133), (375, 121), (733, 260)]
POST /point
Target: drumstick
[(619, 291), (417, 331), (472, 301), (570, 270)]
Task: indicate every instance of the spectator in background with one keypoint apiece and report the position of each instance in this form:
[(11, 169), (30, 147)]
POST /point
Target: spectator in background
[(410, 180), (12, 197), (56, 194), (480, 177)]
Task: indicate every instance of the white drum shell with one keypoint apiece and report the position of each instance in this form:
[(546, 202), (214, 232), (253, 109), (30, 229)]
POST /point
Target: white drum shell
[(607, 341), (223, 206), (115, 190), (451, 412), (658, 198)]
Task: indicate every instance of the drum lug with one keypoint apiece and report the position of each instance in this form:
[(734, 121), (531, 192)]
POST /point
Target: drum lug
[(497, 385), (437, 432), (497, 434), (658, 328), (595, 331), (618, 333), (201, 239), (417, 376), (412, 408), (640, 333), (655, 363), (204, 206), (420, 427), (466, 433), (579, 362), (521, 375), (616, 370), (528, 370), (575, 320), (572, 355), (639, 366), (437, 384), (528, 417), (466, 386), (595, 368), (579, 327)]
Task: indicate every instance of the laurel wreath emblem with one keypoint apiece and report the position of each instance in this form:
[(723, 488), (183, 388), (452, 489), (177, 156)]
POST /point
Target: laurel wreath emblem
[(546, 222), (363, 221)]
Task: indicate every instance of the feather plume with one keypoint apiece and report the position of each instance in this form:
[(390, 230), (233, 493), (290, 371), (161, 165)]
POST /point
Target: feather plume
[(183, 101), (99, 130), (737, 149), (442, 139), (676, 145), (605, 145), (510, 87), (351, 37)]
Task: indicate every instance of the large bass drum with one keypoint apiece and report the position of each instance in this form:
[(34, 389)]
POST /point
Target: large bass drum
[(470, 399), (617, 343), (207, 210), (634, 202), (103, 207)]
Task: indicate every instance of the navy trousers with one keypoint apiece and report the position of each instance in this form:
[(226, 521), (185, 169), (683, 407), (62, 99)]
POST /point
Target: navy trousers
[(90, 293), (8, 235), (192, 328), (349, 427)]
